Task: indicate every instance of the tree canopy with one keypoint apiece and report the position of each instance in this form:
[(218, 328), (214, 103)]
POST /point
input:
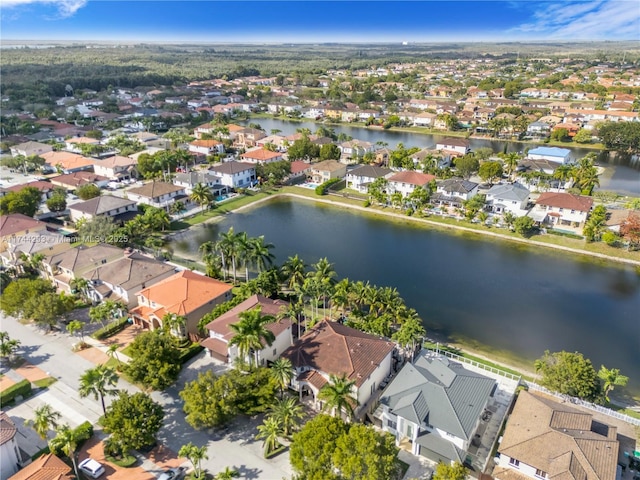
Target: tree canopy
[(568, 373), (25, 201), (154, 360)]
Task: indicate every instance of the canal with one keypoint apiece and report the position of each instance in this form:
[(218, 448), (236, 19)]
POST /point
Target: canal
[(619, 175), (504, 296)]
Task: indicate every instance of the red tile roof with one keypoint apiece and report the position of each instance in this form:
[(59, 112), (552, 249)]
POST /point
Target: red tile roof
[(7, 428), (566, 200), (47, 467), (39, 184), (17, 222), (411, 177), (261, 154)]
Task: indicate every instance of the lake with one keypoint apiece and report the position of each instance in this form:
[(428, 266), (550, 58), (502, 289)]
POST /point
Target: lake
[(506, 296), (619, 175)]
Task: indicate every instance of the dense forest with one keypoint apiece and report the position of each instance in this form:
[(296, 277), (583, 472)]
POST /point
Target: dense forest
[(35, 71)]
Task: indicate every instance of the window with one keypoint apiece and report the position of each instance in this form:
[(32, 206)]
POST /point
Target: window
[(573, 211), (409, 431), (541, 473), (392, 425), (275, 352), (514, 463), (561, 210)]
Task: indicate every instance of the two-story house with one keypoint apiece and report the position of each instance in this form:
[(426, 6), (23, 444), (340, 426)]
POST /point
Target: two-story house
[(206, 147), (454, 191), (508, 197), (18, 225), (361, 177), (545, 439), (327, 170), (119, 209), (235, 174), (247, 137), (457, 145), (407, 181), (10, 458), (189, 180), (553, 154), (116, 168), (220, 334), (562, 210), (157, 194), (352, 150), (41, 242), (436, 405), (187, 294), (330, 348), (71, 181), (66, 162), (261, 155), (28, 149)]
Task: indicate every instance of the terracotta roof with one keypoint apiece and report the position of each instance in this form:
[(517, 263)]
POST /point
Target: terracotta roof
[(39, 184), (77, 179), (155, 189), (216, 345), (268, 307), (67, 160), (411, 177), (17, 222), (234, 128), (7, 428), (313, 378), (47, 467), (261, 154), (184, 292), (115, 161), (205, 143), (298, 166), (333, 348), (565, 200), (559, 439), (85, 140)]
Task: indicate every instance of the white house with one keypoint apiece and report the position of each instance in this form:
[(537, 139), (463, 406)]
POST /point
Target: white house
[(508, 197), (156, 194), (119, 209), (190, 179), (235, 174), (206, 147), (407, 181), (454, 191), (353, 149), (458, 145), (553, 154), (562, 210), (361, 177), (116, 167), (220, 334), (10, 458)]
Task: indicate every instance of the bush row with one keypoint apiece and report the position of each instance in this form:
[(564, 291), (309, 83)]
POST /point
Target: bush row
[(110, 329), (82, 433), (22, 388), (322, 189), (189, 352), (565, 234)]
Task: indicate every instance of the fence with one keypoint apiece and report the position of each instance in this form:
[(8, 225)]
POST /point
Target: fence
[(488, 368), (582, 403)]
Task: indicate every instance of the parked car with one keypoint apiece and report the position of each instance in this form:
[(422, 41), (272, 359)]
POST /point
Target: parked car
[(173, 474), (91, 468)]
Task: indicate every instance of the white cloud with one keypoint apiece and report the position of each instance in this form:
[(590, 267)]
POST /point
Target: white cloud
[(583, 20), (66, 8)]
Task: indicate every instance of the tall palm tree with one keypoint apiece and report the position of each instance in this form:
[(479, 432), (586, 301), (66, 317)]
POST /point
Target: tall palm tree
[(250, 332), (337, 395), (410, 333), (81, 286), (112, 352), (45, 419), (227, 474), (611, 378), (341, 296), (282, 372), (97, 382), (261, 255), (245, 253), (229, 246), (8, 345), (294, 271), (195, 455), (511, 162), (66, 440), (270, 431), (564, 173), (292, 311), (287, 412), (174, 324), (201, 194)]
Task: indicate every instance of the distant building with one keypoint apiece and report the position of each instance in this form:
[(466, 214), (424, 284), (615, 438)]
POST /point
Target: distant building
[(553, 154)]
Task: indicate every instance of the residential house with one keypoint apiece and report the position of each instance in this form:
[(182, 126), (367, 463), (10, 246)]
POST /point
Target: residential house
[(73, 144), (562, 210), (616, 217), (206, 147), (190, 179), (247, 137), (157, 194), (553, 154), (235, 174), (43, 242), (454, 191), (352, 150), (46, 467), (187, 293), (27, 149), (361, 177), (10, 458), (67, 162), (457, 145), (545, 439), (330, 348), (508, 197), (424, 119), (300, 169), (261, 155), (123, 278), (71, 181), (407, 181), (435, 406), (116, 168), (220, 334), (117, 208), (538, 129), (277, 140), (327, 170), (46, 188), (18, 225)]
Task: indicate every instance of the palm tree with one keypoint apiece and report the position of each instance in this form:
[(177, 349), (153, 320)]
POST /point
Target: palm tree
[(195, 455), (511, 162), (611, 378), (287, 412), (96, 381), (227, 474), (409, 334), (337, 395), (250, 332), (201, 194), (112, 352), (229, 246), (8, 346), (81, 286), (564, 173), (260, 253), (509, 218), (45, 419), (341, 297), (325, 274), (174, 324), (66, 441), (294, 271), (270, 431), (282, 372)]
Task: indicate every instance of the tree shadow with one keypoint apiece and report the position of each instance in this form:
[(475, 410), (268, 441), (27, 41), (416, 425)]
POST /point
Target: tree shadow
[(248, 473)]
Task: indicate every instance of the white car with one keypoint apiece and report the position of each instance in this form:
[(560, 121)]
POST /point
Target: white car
[(173, 474), (91, 468)]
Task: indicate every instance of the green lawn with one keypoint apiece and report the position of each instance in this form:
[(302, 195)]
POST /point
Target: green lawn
[(45, 382)]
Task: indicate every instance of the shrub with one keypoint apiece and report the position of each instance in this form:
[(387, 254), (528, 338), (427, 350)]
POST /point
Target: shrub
[(189, 352), (110, 329), (82, 433), (22, 388), (322, 188), (366, 204)]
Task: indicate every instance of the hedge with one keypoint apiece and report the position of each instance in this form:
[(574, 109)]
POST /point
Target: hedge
[(565, 234), (22, 388), (322, 189), (189, 352), (111, 329), (82, 433)]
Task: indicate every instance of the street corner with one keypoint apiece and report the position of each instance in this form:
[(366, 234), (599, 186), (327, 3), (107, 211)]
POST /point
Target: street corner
[(94, 355), (94, 448)]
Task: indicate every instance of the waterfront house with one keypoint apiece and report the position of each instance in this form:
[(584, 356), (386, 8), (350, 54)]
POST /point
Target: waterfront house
[(553, 154), (247, 137), (235, 174), (562, 210), (354, 149), (327, 170), (361, 177), (157, 194), (220, 334), (261, 155), (186, 293), (189, 180), (454, 191), (458, 145), (508, 197), (407, 181), (545, 439), (330, 348), (118, 209), (434, 406)]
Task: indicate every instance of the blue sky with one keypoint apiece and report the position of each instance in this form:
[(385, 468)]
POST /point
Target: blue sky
[(320, 21)]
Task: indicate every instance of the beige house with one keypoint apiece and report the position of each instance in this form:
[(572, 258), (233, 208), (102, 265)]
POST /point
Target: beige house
[(119, 209), (156, 194), (323, 171)]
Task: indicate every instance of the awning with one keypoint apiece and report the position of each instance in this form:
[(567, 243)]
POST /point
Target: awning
[(537, 216)]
